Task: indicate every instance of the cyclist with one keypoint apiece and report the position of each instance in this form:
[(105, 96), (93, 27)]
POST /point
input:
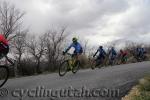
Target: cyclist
[(123, 55), (78, 48), (102, 54), (112, 54), (141, 53), (4, 47)]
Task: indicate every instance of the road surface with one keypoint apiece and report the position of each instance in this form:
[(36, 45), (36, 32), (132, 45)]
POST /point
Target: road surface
[(110, 83)]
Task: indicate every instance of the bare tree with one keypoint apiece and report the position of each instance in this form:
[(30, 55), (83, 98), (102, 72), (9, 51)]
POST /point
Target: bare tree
[(54, 41), (19, 46), (10, 19), (36, 48), (85, 46)]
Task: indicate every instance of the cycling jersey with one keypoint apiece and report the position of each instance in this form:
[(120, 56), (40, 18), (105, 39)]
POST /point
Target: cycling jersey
[(102, 53), (112, 53), (140, 51), (77, 46), (123, 54)]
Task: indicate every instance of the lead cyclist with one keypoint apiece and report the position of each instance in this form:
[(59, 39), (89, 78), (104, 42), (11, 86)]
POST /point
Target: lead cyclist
[(77, 46)]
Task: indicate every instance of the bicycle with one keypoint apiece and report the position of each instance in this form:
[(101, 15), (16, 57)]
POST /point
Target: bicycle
[(95, 62), (4, 72), (141, 58), (69, 64)]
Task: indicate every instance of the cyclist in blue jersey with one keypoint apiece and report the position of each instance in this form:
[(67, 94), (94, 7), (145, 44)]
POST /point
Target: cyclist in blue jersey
[(140, 53), (102, 53), (77, 46), (112, 54)]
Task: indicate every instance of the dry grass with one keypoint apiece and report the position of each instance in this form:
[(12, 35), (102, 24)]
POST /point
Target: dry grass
[(141, 91)]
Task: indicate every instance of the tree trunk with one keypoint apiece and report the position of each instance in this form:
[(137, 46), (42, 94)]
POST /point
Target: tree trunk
[(38, 70)]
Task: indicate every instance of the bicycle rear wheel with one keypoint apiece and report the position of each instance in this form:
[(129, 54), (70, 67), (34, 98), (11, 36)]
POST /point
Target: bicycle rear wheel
[(63, 68), (4, 74), (76, 67)]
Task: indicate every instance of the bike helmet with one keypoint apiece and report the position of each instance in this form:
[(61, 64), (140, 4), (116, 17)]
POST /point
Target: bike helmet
[(112, 48), (100, 47), (74, 39), (121, 50)]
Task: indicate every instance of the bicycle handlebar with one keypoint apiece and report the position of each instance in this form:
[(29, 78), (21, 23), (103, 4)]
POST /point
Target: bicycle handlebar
[(68, 54)]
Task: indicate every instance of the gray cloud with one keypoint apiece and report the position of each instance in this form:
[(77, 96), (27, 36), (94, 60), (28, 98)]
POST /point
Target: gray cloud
[(99, 21)]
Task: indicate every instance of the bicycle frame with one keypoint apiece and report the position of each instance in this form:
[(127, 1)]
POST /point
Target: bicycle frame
[(70, 64), (71, 61), (97, 62)]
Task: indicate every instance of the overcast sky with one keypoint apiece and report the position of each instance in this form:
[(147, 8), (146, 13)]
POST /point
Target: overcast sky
[(99, 21)]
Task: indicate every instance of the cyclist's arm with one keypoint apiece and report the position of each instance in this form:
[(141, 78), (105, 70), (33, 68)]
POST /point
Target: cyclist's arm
[(69, 48), (95, 53)]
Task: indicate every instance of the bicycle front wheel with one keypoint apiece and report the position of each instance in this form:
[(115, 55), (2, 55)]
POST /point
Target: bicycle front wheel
[(4, 74), (63, 68)]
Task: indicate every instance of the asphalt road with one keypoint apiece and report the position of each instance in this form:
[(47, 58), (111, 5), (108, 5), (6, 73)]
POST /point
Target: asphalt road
[(110, 83)]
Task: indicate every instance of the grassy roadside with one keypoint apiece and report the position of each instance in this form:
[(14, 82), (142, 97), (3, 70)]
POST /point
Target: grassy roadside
[(141, 91)]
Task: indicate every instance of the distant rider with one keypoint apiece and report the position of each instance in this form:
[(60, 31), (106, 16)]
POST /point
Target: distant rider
[(102, 53), (112, 53), (140, 52), (123, 55)]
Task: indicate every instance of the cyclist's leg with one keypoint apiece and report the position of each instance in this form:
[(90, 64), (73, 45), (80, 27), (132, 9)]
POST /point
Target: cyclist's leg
[(74, 57), (122, 59), (98, 60), (103, 60), (77, 57), (111, 60)]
